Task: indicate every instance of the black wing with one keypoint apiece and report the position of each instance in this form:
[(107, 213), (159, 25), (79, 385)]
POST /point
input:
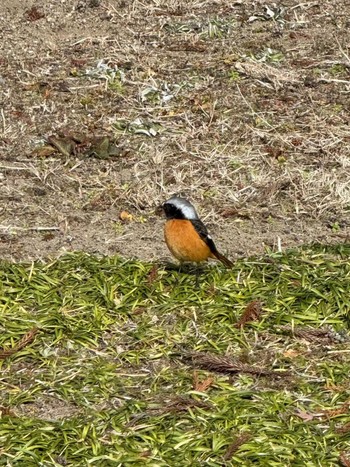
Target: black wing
[(204, 234)]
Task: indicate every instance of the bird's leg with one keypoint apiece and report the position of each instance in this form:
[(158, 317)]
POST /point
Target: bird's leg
[(198, 272), (197, 283), (181, 269)]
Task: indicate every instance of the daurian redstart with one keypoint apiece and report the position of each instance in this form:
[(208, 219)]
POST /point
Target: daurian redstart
[(185, 234)]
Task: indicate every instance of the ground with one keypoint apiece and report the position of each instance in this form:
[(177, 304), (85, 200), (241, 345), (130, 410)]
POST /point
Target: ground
[(110, 355), (240, 107)]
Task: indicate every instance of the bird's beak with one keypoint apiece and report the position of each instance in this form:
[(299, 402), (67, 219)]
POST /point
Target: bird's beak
[(159, 211)]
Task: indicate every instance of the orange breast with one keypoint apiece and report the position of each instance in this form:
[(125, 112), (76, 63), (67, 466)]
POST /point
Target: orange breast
[(184, 242)]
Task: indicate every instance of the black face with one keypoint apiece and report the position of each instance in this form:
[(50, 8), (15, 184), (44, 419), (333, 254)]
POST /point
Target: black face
[(172, 212)]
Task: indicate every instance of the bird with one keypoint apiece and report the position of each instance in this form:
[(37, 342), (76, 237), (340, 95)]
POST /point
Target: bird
[(186, 235)]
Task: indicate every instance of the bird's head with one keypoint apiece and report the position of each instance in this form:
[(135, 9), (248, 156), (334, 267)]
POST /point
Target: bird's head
[(178, 208)]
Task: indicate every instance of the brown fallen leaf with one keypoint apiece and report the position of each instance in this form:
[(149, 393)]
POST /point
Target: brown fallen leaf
[(251, 313), (344, 460), (233, 212), (152, 275), (273, 151), (201, 386), (335, 387), (100, 147), (343, 429), (33, 14), (6, 411), (306, 416), (344, 408), (44, 151), (291, 353), (125, 216), (139, 310), (64, 145)]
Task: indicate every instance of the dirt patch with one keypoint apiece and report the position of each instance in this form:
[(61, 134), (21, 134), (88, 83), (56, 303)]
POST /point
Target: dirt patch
[(242, 108), (48, 408)]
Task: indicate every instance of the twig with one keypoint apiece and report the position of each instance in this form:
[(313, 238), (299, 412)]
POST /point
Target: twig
[(26, 229), (26, 340), (342, 51), (332, 80), (226, 365), (3, 120), (236, 444)]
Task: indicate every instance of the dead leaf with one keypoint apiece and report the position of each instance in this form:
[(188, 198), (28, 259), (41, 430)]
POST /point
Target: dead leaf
[(79, 62), (344, 408), (65, 145), (33, 14), (229, 212), (125, 216), (6, 411), (345, 461), (344, 428), (334, 387), (307, 417), (251, 313), (273, 151), (139, 310), (48, 236), (233, 212), (201, 386), (291, 353), (102, 148), (152, 275), (44, 151)]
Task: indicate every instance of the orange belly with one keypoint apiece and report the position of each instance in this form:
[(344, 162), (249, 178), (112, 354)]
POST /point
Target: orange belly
[(184, 242)]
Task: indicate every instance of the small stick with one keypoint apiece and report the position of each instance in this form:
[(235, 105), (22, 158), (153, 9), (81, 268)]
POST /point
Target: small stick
[(35, 229)]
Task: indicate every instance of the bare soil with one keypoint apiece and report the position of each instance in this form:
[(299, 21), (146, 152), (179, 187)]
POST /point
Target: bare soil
[(242, 108)]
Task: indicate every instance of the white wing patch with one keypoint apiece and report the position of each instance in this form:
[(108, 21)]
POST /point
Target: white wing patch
[(189, 212)]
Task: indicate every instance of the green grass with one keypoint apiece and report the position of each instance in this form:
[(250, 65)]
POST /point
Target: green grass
[(104, 381)]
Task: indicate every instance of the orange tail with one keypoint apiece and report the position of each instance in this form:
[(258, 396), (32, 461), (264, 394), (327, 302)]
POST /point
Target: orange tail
[(224, 260)]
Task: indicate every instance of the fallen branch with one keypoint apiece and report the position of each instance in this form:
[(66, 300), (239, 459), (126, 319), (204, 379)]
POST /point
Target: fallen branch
[(220, 364), (325, 334)]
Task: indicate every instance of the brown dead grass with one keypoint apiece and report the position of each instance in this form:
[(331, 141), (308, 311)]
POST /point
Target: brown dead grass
[(251, 116)]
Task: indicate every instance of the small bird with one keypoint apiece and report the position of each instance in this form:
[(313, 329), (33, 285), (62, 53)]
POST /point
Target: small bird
[(185, 234)]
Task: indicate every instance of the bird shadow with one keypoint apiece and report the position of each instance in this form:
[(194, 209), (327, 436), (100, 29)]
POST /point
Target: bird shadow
[(185, 268)]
